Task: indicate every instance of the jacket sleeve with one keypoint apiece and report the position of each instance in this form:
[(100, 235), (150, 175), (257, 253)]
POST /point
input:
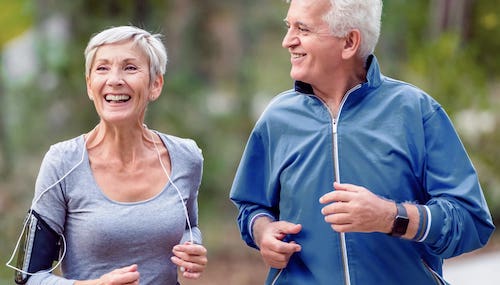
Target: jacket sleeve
[(255, 190), (459, 217)]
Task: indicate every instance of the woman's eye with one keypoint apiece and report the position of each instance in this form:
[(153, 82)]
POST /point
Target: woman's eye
[(130, 68), (101, 68)]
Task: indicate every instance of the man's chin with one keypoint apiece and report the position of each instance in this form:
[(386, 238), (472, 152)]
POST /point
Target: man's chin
[(296, 76)]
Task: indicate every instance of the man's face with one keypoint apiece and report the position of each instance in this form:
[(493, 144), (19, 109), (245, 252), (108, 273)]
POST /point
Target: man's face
[(315, 52)]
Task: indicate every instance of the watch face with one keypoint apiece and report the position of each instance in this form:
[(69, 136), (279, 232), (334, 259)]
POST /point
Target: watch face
[(400, 225)]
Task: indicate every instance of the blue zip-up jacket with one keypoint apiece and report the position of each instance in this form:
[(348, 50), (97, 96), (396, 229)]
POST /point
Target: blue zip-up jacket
[(389, 137)]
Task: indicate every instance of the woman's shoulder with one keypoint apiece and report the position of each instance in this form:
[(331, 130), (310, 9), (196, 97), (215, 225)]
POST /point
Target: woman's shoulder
[(187, 146), (64, 155), (68, 148)]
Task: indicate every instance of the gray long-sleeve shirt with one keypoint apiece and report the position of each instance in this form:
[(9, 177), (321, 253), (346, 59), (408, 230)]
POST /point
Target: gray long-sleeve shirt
[(102, 234)]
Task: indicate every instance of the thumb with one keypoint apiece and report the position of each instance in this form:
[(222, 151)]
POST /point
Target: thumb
[(130, 268), (289, 228)]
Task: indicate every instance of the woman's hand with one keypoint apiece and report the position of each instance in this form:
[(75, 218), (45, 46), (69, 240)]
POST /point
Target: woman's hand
[(191, 258), (122, 276)]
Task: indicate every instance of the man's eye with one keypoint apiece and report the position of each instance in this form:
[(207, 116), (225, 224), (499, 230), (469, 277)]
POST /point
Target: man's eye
[(302, 29)]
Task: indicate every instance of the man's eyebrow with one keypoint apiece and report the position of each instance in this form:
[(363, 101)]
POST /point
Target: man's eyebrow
[(298, 23)]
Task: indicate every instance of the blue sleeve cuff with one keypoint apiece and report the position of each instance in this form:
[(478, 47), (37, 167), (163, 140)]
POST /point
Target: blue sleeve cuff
[(424, 223), (435, 225)]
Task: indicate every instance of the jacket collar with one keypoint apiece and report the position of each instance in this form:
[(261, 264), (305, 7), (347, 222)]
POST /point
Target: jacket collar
[(373, 77)]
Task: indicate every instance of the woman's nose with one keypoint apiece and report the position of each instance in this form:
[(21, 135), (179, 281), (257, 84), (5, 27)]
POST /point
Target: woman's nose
[(115, 78)]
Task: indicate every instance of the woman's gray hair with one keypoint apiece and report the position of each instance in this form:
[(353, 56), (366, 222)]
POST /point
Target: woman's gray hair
[(347, 15), (150, 44)]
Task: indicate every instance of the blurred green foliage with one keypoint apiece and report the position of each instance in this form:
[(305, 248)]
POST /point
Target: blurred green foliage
[(225, 64), (15, 18)]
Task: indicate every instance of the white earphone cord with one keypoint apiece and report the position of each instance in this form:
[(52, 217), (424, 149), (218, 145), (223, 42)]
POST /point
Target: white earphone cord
[(191, 239)]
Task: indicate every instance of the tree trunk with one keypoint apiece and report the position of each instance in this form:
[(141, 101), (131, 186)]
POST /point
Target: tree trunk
[(450, 16)]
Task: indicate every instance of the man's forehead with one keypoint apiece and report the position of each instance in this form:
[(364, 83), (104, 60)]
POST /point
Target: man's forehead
[(312, 10)]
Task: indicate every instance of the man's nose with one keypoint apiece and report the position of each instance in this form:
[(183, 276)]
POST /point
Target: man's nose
[(290, 39)]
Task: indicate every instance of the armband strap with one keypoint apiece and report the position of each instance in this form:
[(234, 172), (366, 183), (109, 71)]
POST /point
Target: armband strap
[(40, 246)]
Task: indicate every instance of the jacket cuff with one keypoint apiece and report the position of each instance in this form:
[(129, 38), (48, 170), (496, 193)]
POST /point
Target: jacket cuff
[(431, 231)]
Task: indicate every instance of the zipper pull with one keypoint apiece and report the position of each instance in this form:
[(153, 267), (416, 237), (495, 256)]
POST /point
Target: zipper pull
[(334, 126)]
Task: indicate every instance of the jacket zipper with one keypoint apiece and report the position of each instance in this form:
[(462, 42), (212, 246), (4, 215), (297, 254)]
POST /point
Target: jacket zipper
[(345, 259), (343, 247), (335, 154)]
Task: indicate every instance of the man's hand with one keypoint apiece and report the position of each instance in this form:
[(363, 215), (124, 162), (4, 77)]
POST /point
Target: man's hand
[(352, 208), (269, 237)]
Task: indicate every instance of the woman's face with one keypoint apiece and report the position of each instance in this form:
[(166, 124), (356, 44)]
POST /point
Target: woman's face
[(119, 83)]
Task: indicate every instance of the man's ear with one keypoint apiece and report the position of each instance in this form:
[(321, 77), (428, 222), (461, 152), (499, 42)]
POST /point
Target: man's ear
[(156, 87), (351, 44)]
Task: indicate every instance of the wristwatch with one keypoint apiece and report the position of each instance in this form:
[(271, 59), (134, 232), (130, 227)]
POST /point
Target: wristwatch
[(400, 221)]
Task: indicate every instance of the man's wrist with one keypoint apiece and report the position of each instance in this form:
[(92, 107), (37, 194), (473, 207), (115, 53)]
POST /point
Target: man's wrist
[(258, 224)]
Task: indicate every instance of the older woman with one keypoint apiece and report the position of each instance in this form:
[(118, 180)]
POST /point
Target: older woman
[(122, 197)]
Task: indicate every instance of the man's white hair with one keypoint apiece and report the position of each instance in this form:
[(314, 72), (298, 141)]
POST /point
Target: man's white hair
[(363, 15)]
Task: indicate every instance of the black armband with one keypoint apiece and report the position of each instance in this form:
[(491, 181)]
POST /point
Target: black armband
[(39, 248)]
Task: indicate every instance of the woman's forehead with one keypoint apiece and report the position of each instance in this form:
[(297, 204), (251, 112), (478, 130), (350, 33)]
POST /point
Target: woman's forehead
[(126, 49)]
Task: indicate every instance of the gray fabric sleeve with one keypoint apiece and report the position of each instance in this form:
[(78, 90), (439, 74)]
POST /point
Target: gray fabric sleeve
[(48, 279)]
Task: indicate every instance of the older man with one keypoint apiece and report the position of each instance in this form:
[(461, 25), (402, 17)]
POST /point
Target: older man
[(353, 177)]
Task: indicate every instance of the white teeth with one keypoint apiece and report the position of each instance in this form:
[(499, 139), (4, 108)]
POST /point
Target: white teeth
[(297, 55), (117, 97)]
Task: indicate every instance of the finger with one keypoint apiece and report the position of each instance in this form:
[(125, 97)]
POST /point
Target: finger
[(346, 187), (281, 247), (342, 228), (136, 282), (194, 263), (130, 268), (336, 196), (339, 219), (191, 249), (274, 259), (191, 275), (335, 208), (194, 258), (128, 277), (185, 266), (286, 228)]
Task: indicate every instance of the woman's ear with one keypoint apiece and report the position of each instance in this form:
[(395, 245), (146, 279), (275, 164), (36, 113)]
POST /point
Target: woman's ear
[(351, 44), (89, 90), (156, 87)]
